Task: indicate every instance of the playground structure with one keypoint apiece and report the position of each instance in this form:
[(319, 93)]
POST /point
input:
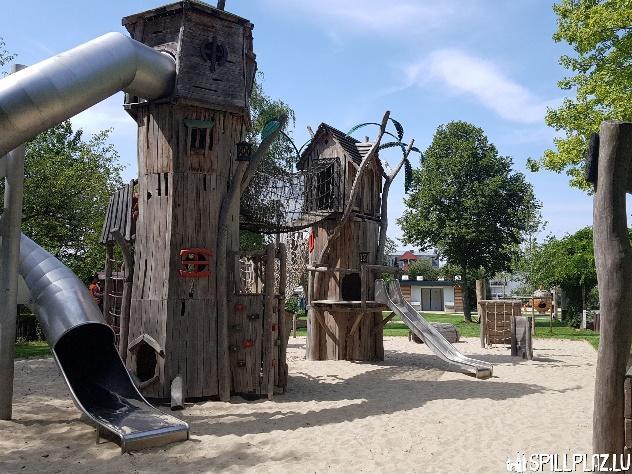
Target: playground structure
[(188, 90), (502, 323), (346, 298), (188, 325)]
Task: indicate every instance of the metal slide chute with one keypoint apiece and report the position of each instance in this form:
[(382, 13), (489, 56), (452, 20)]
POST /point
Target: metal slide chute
[(390, 294), (83, 347), (42, 95), (31, 101)]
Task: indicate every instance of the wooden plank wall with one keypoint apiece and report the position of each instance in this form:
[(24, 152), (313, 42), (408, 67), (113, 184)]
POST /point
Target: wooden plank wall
[(356, 236), (406, 290), (458, 299), (119, 215), (179, 199)]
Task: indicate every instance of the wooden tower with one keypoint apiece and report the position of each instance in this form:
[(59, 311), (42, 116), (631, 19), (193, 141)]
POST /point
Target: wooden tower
[(187, 147), (344, 322)]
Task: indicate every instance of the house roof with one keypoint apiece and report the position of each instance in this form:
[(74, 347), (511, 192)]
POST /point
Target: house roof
[(430, 283), (407, 255), (356, 150)]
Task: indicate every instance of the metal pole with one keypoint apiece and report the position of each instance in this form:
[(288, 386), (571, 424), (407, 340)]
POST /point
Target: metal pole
[(9, 260)]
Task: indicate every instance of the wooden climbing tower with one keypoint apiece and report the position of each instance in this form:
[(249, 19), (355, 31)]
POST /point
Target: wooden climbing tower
[(187, 159), (344, 321)]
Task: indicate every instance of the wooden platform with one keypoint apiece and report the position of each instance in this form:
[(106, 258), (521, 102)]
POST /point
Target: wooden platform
[(348, 306)]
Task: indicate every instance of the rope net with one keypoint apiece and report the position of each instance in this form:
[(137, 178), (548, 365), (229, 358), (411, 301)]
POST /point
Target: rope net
[(279, 201)]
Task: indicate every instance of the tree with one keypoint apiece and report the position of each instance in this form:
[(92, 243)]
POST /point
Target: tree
[(390, 247), (67, 185), (600, 35), (569, 263), (5, 56), (466, 202), (281, 153), (424, 269)]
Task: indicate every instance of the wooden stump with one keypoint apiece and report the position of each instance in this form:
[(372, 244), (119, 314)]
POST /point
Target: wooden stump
[(447, 330)]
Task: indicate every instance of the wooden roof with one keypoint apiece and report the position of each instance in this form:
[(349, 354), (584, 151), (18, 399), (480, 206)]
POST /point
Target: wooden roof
[(172, 8), (356, 149)]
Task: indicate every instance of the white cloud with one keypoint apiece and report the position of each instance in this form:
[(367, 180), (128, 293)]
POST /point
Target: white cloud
[(391, 17), (480, 79)]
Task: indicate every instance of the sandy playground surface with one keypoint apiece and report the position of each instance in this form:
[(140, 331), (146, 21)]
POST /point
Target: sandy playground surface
[(405, 414)]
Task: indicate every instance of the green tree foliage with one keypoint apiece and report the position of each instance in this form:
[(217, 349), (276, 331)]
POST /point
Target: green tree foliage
[(569, 263), (5, 56), (600, 34), (67, 185), (466, 202), (424, 269), (280, 155), (390, 247)]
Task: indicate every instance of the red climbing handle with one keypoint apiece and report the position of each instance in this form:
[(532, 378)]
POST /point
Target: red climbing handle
[(195, 262)]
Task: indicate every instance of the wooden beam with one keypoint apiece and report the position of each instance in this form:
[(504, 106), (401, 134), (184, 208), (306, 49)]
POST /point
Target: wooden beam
[(356, 324), (268, 305), (321, 321), (380, 327)]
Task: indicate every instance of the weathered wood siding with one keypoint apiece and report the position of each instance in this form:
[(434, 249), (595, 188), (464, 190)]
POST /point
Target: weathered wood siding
[(179, 198), (186, 30), (358, 235), (458, 299)]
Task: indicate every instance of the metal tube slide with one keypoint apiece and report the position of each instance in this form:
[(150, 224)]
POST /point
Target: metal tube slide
[(390, 294), (51, 91), (83, 347)]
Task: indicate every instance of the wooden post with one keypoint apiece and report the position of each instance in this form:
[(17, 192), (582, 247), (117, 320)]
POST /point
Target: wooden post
[(481, 294), (482, 319), (613, 259), (268, 339), (281, 363)]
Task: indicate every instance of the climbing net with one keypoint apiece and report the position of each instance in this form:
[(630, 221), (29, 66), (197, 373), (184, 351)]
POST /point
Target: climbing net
[(278, 201)]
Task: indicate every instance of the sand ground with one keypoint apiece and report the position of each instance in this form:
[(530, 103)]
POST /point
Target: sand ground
[(406, 414)]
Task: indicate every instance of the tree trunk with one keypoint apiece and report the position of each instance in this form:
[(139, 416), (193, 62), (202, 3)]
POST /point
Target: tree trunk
[(384, 206), (613, 258), (383, 223), (467, 313), (481, 294)]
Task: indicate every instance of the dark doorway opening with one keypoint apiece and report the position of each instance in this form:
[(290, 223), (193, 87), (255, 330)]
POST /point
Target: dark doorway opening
[(351, 287)]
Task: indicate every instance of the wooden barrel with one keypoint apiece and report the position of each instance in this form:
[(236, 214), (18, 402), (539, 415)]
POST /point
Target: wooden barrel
[(449, 331)]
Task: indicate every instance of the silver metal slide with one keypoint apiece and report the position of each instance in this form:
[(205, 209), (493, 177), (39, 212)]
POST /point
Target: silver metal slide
[(31, 101), (390, 294), (83, 347)]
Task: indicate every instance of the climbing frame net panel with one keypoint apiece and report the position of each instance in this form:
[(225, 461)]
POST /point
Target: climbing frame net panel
[(279, 201)]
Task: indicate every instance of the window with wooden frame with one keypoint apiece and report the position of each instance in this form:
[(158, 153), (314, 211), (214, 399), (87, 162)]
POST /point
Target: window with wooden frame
[(199, 136)]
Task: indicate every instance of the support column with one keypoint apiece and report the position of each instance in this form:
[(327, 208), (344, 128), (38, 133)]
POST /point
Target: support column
[(10, 231), (613, 259)]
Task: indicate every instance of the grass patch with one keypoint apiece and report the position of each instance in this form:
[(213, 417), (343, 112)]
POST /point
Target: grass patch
[(395, 327), (30, 350)]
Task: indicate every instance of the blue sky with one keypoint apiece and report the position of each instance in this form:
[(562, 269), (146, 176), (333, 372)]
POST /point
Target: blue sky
[(489, 62)]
